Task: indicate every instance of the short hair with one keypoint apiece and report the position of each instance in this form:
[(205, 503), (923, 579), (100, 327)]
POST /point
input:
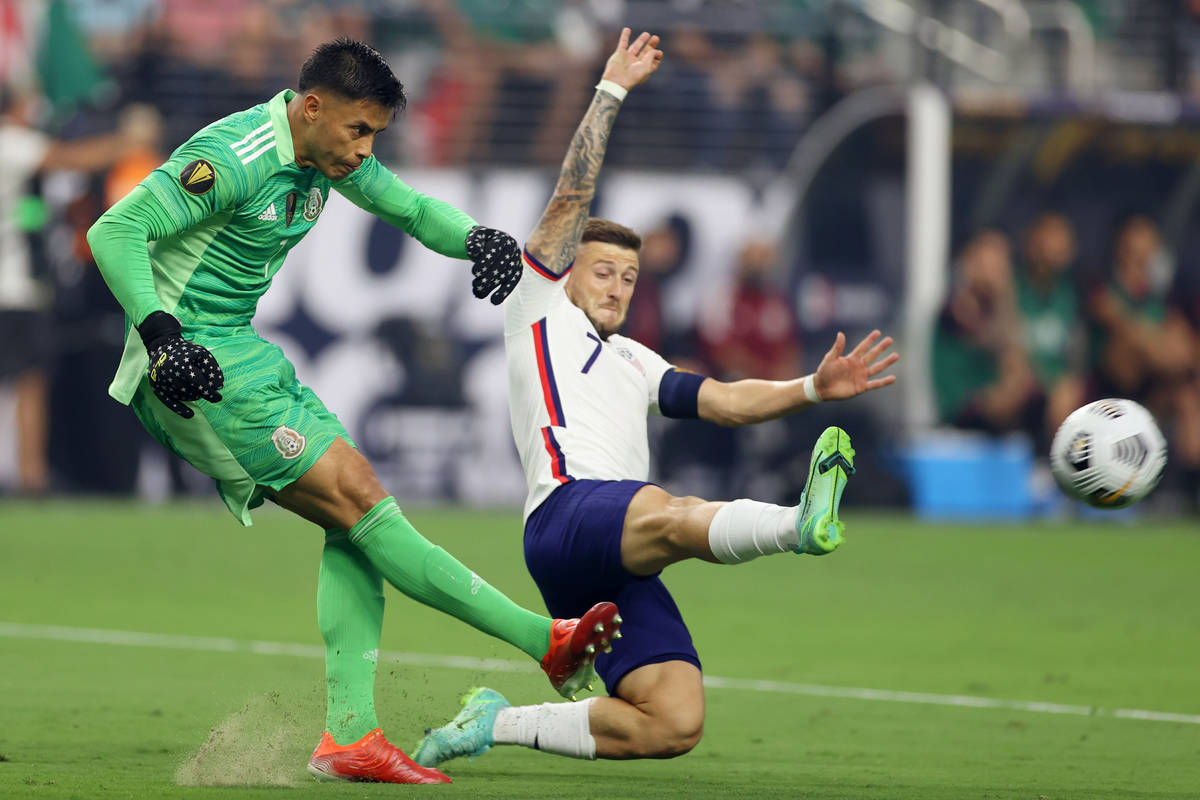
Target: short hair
[(354, 70), (609, 232)]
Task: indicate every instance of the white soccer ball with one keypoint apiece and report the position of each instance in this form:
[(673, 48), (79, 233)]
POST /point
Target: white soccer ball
[(1109, 454)]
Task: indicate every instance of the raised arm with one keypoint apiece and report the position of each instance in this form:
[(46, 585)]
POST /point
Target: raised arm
[(552, 243), (839, 377), (436, 224)]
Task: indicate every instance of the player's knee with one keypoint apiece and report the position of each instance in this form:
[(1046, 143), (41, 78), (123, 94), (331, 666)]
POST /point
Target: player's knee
[(357, 488), (675, 520), (676, 734)]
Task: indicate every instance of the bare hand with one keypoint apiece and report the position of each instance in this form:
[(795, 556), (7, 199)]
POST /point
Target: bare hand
[(843, 376), (630, 64)]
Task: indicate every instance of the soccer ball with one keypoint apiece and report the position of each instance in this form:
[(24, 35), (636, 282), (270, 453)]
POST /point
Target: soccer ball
[(1109, 454)]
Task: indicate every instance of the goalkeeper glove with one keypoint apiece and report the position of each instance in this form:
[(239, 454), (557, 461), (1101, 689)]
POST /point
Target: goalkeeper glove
[(497, 263), (180, 371)]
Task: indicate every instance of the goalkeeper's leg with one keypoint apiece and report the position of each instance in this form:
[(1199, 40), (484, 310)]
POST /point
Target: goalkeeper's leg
[(350, 615), (340, 490)]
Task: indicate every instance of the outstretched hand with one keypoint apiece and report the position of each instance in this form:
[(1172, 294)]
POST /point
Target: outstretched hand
[(843, 376), (630, 64)]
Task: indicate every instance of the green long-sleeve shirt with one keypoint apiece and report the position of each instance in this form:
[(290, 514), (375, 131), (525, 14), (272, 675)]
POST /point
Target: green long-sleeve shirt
[(221, 215)]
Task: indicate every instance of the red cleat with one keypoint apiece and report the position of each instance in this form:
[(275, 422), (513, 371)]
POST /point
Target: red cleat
[(574, 645), (372, 758)]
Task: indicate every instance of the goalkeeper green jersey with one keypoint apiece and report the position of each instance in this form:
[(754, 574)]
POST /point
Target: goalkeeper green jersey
[(221, 216)]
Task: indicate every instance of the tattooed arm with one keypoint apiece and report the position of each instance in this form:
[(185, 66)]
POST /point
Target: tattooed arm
[(552, 243)]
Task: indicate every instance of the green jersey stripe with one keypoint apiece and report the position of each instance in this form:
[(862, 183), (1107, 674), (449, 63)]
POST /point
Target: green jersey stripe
[(243, 150), (250, 135), (268, 146)]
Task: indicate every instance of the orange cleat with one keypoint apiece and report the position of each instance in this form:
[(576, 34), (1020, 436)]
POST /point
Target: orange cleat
[(372, 758), (574, 645)]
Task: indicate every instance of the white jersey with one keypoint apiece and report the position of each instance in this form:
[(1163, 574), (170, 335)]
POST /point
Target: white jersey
[(578, 404)]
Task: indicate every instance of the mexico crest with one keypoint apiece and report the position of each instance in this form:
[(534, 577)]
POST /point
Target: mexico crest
[(313, 205), (288, 442)]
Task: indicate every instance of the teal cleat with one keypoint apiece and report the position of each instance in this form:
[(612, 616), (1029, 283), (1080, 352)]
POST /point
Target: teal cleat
[(468, 734), (817, 520)]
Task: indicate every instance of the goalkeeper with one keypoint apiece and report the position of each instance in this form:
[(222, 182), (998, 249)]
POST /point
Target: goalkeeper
[(220, 217), (578, 396)]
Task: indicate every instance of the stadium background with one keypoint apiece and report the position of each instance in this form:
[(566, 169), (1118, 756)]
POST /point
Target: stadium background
[(789, 154), (775, 164)]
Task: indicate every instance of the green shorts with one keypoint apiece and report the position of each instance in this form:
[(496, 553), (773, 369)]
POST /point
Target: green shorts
[(265, 433)]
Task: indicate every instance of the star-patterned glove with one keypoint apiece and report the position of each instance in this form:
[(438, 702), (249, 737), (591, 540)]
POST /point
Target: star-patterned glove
[(497, 263), (180, 371)]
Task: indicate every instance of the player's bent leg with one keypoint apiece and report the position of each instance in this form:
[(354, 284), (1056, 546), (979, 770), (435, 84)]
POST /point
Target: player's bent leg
[(658, 712), (661, 529), (743, 530)]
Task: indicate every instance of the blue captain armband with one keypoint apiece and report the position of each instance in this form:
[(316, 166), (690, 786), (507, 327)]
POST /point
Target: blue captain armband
[(679, 394)]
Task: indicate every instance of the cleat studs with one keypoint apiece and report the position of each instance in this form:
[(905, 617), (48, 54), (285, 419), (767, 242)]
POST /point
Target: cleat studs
[(608, 649), (589, 687), (616, 636), (599, 627), (572, 698), (617, 619), (591, 648)]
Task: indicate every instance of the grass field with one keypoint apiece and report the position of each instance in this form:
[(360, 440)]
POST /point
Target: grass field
[(218, 634)]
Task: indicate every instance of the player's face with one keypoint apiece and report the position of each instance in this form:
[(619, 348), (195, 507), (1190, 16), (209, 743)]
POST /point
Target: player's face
[(340, 133), (601, 283)]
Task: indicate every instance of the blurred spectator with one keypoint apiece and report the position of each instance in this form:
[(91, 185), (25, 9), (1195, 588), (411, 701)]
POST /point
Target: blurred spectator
[(200, 32), (116, 30), (750, 331), (662, 258), (505, 60), (19, 25), (25, 296), (689, 115), (91, 328), (141, 155), (41, 45), (1188, 41), (982, 377), (1143, 346), (763, 104), (1051, 319)]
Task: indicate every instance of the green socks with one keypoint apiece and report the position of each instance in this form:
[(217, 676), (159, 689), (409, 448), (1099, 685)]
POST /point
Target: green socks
[(350, 615), (430, 575)]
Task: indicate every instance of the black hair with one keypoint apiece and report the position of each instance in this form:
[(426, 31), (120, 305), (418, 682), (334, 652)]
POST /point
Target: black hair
[(354, 70)]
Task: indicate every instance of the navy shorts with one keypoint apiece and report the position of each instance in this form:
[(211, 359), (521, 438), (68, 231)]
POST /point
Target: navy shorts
[(573, 551)]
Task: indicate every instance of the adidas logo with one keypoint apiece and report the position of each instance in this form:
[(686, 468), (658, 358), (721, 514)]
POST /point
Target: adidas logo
[(269, 215)]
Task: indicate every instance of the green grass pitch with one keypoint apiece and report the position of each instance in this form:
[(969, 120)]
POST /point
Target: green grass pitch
[(1102, 616)]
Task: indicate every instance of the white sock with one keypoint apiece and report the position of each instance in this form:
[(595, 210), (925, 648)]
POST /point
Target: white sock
[(746, 529), (560, 728)]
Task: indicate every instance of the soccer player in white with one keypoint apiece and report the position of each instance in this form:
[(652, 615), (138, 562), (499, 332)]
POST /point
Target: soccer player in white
[(578, 396)]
